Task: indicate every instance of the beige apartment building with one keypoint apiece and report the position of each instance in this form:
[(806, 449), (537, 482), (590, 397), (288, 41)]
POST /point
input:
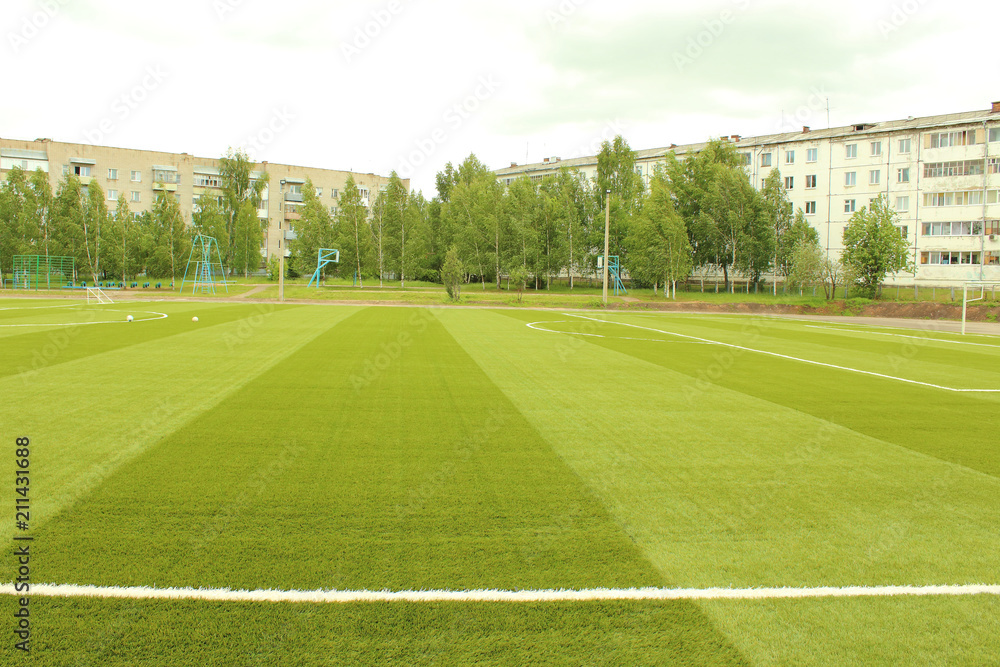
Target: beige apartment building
[(139, 176), (941, 173)]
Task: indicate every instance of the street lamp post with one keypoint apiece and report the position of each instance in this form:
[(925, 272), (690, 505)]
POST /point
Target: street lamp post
[(607, 229)]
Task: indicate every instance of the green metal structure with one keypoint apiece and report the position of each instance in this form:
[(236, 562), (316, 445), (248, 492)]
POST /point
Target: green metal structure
[(324, 256), (614, 273), (204, 268), (43, 272)]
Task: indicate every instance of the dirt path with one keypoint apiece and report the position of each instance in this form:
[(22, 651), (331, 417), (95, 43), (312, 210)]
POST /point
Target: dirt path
[(256, 290)]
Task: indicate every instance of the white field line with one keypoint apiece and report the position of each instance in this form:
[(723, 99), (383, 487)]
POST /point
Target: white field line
[(791, 358), (531, 325), (544, 595), (929, 339), (159, 316)]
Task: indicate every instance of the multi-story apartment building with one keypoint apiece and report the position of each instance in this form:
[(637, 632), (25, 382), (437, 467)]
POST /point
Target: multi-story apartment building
[(140, 175), (940, 173)]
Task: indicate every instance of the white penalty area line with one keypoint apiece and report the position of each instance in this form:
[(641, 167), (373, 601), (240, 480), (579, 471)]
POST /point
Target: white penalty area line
[(532, 325), (159, 316), (545, 595), (929, 339), (791, 358)]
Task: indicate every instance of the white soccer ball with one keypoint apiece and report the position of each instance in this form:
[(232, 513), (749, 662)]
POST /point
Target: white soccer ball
[(129, 318), (194, 319)]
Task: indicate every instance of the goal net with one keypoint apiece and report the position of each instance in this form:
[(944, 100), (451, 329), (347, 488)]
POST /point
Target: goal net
[(97, 295)]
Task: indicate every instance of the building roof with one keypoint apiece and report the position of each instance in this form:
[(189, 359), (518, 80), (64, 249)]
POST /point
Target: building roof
[(805, 134)]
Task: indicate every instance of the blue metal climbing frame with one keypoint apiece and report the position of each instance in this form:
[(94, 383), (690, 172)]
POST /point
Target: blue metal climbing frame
[(324, 257), (614, 272), (207, 272)]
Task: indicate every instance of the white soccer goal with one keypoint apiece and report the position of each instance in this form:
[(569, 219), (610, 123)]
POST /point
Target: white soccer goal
[(980, 287), (97, 295)]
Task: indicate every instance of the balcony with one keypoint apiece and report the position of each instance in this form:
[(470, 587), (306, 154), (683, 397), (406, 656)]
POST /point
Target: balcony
[(293, 196), (167, 187), (292, 215)]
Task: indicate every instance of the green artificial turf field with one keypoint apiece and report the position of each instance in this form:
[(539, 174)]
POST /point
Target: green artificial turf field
[(400, 449)]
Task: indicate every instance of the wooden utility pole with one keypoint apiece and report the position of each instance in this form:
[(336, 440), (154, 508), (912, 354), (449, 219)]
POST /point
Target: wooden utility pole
[(607, 230)]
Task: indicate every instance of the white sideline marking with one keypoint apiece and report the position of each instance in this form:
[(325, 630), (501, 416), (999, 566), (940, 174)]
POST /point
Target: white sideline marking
[(785, 356), (885, 333), (545, 595)]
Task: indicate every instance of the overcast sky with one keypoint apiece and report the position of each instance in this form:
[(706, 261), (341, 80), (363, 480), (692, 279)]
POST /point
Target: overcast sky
[(412, 84)]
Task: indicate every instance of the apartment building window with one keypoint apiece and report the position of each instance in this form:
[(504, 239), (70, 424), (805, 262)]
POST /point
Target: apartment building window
[(789, 157), (946, 139), (112, 195), (295, 189), (334, 210), (904, 145), (789, 182), (810, 181), (207, 181), (765, 159), (81, 170), (876, 148), (903, 175), (65, 170), (335, 193), (961, 198), (135, 196), (904, 231), (993, 165), (112, 174), (946, 257), (903, 203), (851, 151), (364, 192), (136, 176), (850, 178), (166, 176), (991, 258), (812, 154), (319, 192), (849, 205), (960, 168), (810, 208), (873, 176), (992, 196), (994, 134), (972, 228), (993, 227), (746, 159)]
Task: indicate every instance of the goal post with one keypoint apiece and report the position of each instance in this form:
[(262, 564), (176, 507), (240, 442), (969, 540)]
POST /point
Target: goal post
[(977, 287)]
